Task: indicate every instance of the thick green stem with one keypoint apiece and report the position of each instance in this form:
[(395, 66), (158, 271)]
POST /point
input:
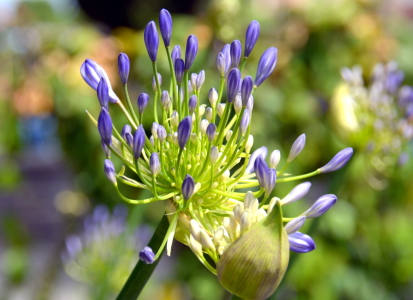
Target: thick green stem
[(142, 272)]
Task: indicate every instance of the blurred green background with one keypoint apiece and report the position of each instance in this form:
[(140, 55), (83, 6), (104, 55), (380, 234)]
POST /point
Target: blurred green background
[(51, 162)]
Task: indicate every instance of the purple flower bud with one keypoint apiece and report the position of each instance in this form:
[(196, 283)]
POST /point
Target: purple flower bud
[(251, 37), (192, 103), (154, 129), (179, 69), (261, 171), (320, 207), (245, 121), (250, 103), (221, 63), (105, 148), (270, 182), (296, 148), (296, 193), (109, 170), (147, 255), (154, 82), (266, 65), (259, 152), (190, 51), (165, 99), (226, 50), (154, 164), (236, 49), (127, 135), (301, 243), (165, 25), (161, 133), (138, 141), (125, 129), (142, 102), (233, 84), (188, 186), (294, 225), (338, 161), (103, 93), (105, 126), (123, 67), (151, 40), (184, 131), (200, 80), (246, 89), (192, 81), (210, 132), (176, 53), (129, 139), (92, 73)]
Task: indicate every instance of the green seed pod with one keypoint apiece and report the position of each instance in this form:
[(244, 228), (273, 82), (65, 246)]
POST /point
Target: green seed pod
[(252, 267)]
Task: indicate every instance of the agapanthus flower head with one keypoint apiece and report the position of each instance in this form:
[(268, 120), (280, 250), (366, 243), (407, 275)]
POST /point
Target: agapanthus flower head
[(198, 159), (151, 40)]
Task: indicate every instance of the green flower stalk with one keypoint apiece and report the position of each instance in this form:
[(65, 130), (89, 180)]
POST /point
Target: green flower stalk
[(199, 161)]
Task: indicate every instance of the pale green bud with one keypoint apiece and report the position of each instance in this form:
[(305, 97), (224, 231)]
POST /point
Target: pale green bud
[(253, 266), (213, 97), (220, 109), (249, 143), (228, 135), (238, 104), (208, 114)]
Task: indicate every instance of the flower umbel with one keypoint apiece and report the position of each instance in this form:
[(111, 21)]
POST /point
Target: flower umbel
[(198, 160)]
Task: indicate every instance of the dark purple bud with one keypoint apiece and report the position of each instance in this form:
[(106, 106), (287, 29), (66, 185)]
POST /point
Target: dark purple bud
[(266, 65), (105, 148), (251, 37), (129, 139), (190, 51), (296, 148), (338, 161), (127, 135), (109, 170), (236, 49), (261, 171), (193, 101), (103, 93), (176, 53), (270, 182), (92, 73), (233, 84), (124, 67), (143, 100), (245, 121), (138, 141), (147, 255), (221, 63), (246, 89), (105, 126), (320, 207), (301, 243), (179, 69), (184, 131), (165, 25), (151, 40), (154, 164), (188, 186), (162, 133), (210, 132), (259, 152)]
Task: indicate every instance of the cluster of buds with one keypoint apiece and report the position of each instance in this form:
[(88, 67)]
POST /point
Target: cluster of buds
[(198, 159), (377, 117)]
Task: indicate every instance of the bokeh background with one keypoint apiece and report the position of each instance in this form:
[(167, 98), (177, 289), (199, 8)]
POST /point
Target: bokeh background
[(55, 202)]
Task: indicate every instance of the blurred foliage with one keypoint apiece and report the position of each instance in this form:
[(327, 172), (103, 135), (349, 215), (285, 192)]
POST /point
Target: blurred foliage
[(364, 249)]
